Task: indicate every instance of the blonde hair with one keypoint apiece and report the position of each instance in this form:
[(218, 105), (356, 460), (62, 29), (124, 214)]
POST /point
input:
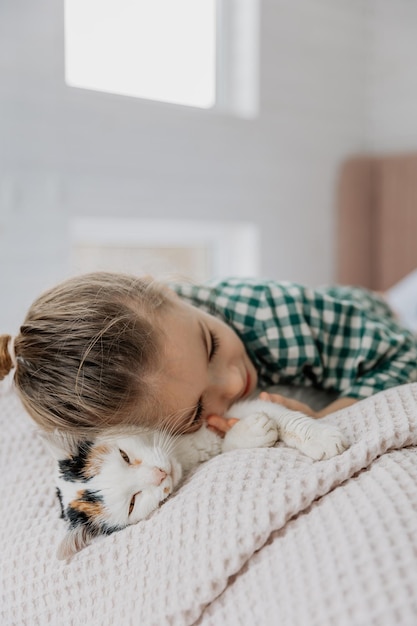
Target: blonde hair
[(86, 352)]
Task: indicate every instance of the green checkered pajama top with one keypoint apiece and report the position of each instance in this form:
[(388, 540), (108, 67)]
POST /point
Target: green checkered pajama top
[(344, 339)]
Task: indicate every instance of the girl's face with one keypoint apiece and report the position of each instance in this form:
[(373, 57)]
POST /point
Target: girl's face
[(205, 367)]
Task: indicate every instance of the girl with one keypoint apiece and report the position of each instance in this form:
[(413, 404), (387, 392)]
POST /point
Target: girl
[(107, 349)]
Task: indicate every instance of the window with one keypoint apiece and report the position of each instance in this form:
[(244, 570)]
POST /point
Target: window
[(200, 53), (190, 249)]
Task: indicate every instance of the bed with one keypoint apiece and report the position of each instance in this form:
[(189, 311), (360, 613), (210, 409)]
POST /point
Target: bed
[(377, 220), (262, 536)]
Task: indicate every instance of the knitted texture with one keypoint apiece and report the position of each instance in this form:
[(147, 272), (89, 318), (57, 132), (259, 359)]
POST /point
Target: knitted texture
[(263, 536)]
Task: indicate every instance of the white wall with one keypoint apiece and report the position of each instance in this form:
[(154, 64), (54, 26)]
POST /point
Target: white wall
[(393, 76), (67, 152)]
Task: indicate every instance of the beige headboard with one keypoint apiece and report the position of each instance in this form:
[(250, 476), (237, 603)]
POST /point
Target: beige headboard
[(377, 220)]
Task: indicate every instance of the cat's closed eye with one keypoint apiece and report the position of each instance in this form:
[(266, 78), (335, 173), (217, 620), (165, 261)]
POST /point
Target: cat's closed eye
[(132, 502), (124, 456)]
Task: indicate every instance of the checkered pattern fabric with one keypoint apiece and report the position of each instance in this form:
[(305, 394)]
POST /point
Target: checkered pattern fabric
[(335, 338)]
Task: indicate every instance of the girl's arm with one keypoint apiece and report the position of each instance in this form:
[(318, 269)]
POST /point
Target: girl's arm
[(220, 425), (340, 403), (296, 405)]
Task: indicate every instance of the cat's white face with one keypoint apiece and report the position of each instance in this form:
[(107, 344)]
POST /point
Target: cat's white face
[(112, 483)]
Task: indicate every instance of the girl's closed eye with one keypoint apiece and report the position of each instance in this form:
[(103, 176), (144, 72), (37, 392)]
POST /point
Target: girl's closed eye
[(215, 343), (195, 421), (198, 414)]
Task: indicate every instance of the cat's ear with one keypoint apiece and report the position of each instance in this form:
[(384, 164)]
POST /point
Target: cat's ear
[(60, 444), (75, 540)]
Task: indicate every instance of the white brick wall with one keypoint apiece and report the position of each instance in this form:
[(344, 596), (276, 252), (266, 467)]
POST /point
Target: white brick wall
[(393, 76), (325, 93)]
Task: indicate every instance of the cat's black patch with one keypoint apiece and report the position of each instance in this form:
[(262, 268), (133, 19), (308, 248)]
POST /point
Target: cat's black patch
[(61, 503), (92, 496), (73, 468), (78, 516), (108, 530)]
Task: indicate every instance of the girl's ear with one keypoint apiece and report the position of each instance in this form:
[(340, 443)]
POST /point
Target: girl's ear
[(61, 445), (74, 541)]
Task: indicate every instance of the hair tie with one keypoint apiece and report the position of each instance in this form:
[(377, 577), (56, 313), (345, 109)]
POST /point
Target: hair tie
[(12, 353)]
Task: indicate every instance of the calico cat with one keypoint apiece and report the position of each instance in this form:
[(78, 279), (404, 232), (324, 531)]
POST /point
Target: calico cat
[(109, 483)]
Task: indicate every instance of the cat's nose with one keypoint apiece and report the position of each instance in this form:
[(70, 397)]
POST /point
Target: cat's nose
[(158, 475)]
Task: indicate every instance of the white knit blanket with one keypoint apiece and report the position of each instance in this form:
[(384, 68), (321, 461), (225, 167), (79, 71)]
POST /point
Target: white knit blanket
[(253, 537)]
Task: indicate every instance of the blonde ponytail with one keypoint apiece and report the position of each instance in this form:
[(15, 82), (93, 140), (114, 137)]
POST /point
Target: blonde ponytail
[(6, 359)]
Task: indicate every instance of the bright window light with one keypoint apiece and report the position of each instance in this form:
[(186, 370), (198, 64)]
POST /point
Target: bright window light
[(155, 49)]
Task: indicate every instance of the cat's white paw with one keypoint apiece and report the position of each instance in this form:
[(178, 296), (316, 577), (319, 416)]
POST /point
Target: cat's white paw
[(197, 447), (256, 431), (324, 442)]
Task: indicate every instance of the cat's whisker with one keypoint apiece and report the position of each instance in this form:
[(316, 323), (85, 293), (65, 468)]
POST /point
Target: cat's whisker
[(164, 440), (177, 421), (169, 433), (170, 442), (166, 432), (161, 441)]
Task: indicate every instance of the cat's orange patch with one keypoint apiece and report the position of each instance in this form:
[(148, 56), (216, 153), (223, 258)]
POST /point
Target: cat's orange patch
[(95, 460), (136, 462), (91, 509)]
